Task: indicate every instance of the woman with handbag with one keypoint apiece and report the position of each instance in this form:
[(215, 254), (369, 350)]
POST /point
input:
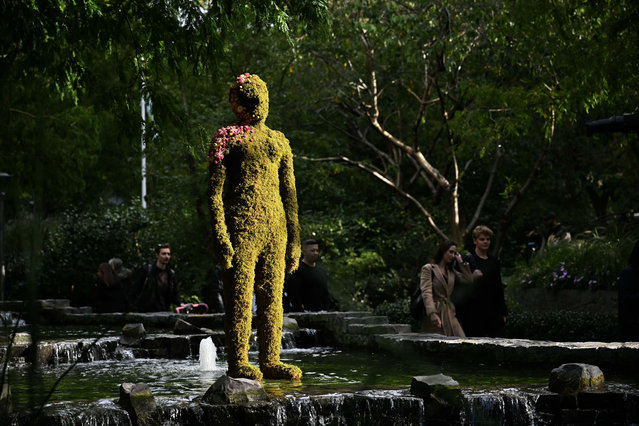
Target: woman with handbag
[(437, 283)]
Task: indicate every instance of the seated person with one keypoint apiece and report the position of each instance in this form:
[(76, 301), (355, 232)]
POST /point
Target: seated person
[(110, 293)]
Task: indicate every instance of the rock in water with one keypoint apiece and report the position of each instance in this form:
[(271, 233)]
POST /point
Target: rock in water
[(228, 390), (575, 377)]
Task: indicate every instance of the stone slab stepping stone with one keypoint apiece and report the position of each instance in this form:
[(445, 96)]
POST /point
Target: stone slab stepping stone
[(229, 390)]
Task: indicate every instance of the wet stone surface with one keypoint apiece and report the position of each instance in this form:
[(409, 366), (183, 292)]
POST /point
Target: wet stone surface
[(363, 331)]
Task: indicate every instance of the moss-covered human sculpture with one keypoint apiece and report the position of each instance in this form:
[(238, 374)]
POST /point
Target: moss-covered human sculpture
[(253, 207)]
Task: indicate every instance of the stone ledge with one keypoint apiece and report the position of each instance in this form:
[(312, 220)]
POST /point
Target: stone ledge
[(363, 330), (162, 345), (372, 320), (511, 350), (378, 328)]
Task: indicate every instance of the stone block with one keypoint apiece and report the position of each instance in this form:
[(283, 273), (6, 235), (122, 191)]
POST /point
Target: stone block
[(54, 303), (378, 328), (442, 397), (42, 355), (18, 339), (290, 324), (132, 334), (179, 347), (159, 353), (376, 320), (611, 417), (308, 338), (17, 351), (575, 377), (228, 390), (182, 327), (140, 353), (601, 400), (138, 401), (156, 342), (548, 403), (578, 417)]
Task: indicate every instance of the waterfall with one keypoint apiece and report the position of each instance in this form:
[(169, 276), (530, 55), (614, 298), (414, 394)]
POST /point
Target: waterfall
[(288, 340), (207, 355), (83, 351), (9, 319), (308, 338), (508, 406)]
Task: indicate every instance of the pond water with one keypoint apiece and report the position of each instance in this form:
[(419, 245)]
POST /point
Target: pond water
[(67, 332), (325, 370)]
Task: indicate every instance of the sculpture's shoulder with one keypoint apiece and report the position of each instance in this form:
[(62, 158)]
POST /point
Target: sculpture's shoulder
[(276, 135), (227, 138), (279, 141)]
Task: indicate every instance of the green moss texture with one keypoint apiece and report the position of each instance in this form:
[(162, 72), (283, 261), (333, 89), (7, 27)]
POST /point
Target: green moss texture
[(253, 205)]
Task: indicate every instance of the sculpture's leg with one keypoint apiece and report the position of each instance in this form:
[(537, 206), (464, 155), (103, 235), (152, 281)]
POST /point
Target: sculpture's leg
[(269, 285), (238, 294)]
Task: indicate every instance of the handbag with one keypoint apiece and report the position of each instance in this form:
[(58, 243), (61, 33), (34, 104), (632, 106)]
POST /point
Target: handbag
[(417, 307)]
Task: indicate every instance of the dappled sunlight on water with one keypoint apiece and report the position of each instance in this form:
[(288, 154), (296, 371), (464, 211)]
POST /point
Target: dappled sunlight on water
[(326, 370)]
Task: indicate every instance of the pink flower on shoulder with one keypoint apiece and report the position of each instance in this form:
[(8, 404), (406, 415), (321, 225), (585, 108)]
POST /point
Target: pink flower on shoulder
[(223, 139)]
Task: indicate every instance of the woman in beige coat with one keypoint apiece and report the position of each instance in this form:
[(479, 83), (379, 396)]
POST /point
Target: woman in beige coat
[(437, 284)]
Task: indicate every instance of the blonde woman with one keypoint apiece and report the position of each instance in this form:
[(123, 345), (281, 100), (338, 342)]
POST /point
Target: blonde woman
[(437, 283)]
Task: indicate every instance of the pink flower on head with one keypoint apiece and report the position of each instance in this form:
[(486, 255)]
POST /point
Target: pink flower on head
[(242, 78)]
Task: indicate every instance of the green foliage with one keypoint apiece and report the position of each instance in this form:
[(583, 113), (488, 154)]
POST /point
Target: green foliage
[(372, 253), (70, 86), (589, 265), (397, 311), (563, 326), (500, 73), (82, 240)]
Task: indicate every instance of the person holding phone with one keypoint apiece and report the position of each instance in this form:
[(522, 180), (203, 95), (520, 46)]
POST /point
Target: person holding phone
[(438, 280)]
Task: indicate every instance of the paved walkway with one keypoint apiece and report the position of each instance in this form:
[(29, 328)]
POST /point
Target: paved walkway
[(365, 330)]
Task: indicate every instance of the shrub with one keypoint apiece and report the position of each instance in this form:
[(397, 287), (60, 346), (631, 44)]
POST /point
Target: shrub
[(397, 312), (594, 264), (563, 326), (82, 240), (372, 254)]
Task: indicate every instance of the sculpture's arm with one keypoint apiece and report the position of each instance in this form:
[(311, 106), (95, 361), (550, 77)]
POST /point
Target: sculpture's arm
[(289, 199), (221, 240)]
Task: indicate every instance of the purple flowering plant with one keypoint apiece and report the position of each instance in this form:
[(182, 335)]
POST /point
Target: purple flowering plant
[(587, 265)]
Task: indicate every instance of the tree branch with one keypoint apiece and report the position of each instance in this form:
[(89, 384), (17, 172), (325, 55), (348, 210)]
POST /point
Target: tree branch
[(489, 185), (505, 220), (375, 173)]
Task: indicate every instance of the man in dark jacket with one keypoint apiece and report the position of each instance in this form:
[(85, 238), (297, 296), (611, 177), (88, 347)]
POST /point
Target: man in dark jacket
[(306, 288), (484, 312), (158, 286)]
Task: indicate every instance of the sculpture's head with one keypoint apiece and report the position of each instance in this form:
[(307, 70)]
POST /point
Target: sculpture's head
[(249, 99)]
